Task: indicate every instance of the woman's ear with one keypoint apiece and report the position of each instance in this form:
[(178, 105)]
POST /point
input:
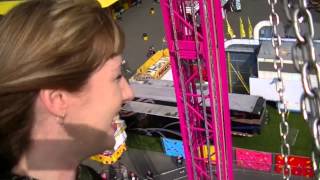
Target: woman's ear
[(54, 100)]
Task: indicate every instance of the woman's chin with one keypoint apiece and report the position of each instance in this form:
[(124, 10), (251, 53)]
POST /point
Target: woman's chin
[(102, 146)]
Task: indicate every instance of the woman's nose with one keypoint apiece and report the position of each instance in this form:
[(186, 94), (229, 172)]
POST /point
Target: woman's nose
[(127, 92)]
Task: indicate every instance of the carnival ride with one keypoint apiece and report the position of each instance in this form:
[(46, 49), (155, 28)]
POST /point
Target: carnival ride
[(154, 68), (191, 42)]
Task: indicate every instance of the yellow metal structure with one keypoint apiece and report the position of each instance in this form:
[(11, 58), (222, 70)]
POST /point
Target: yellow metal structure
[(246, 87), (106, 3), (242, 31), (6, 6), (250, 32), (230, 30), (229, 70), (203, 153)]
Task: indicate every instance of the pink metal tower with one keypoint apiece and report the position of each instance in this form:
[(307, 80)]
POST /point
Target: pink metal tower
[(194, 33)]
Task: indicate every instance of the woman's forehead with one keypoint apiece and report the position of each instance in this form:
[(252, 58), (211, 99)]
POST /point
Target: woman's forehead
[(114, 62)]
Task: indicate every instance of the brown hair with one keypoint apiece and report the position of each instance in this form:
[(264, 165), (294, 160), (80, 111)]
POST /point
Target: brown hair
[(47, 44)]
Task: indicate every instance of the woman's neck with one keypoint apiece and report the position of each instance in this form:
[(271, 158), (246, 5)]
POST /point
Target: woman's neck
[(49, 174), (44, 161)]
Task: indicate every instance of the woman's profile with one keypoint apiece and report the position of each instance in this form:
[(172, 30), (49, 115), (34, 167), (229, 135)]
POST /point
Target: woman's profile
[(60, 87)]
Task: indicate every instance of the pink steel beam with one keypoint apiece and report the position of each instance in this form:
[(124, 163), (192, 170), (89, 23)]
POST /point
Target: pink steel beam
[(168, 30), (196, 47), (221, 61), (218, 83)]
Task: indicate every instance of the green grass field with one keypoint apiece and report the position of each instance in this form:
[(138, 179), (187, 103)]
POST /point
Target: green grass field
[(268, 140), (144, 142)]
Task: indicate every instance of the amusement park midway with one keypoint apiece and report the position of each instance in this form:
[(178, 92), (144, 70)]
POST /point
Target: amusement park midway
[(137, 21), (166, 168)]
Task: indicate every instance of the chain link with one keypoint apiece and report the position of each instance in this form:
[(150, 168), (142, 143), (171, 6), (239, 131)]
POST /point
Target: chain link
[(280, 88), (303, 14), (315, 163), (288, 8), (304, 60)]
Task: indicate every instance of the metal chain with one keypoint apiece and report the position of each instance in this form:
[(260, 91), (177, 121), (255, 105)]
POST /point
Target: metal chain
[(304, 59), (282, 106)]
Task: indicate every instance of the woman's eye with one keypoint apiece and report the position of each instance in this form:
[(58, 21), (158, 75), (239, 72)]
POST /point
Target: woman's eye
[(119, 77)]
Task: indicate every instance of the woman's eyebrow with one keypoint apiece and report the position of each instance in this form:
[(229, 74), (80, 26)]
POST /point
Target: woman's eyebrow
[(117, 66)]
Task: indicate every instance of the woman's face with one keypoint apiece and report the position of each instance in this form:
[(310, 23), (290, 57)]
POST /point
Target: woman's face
[(95, 108)]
